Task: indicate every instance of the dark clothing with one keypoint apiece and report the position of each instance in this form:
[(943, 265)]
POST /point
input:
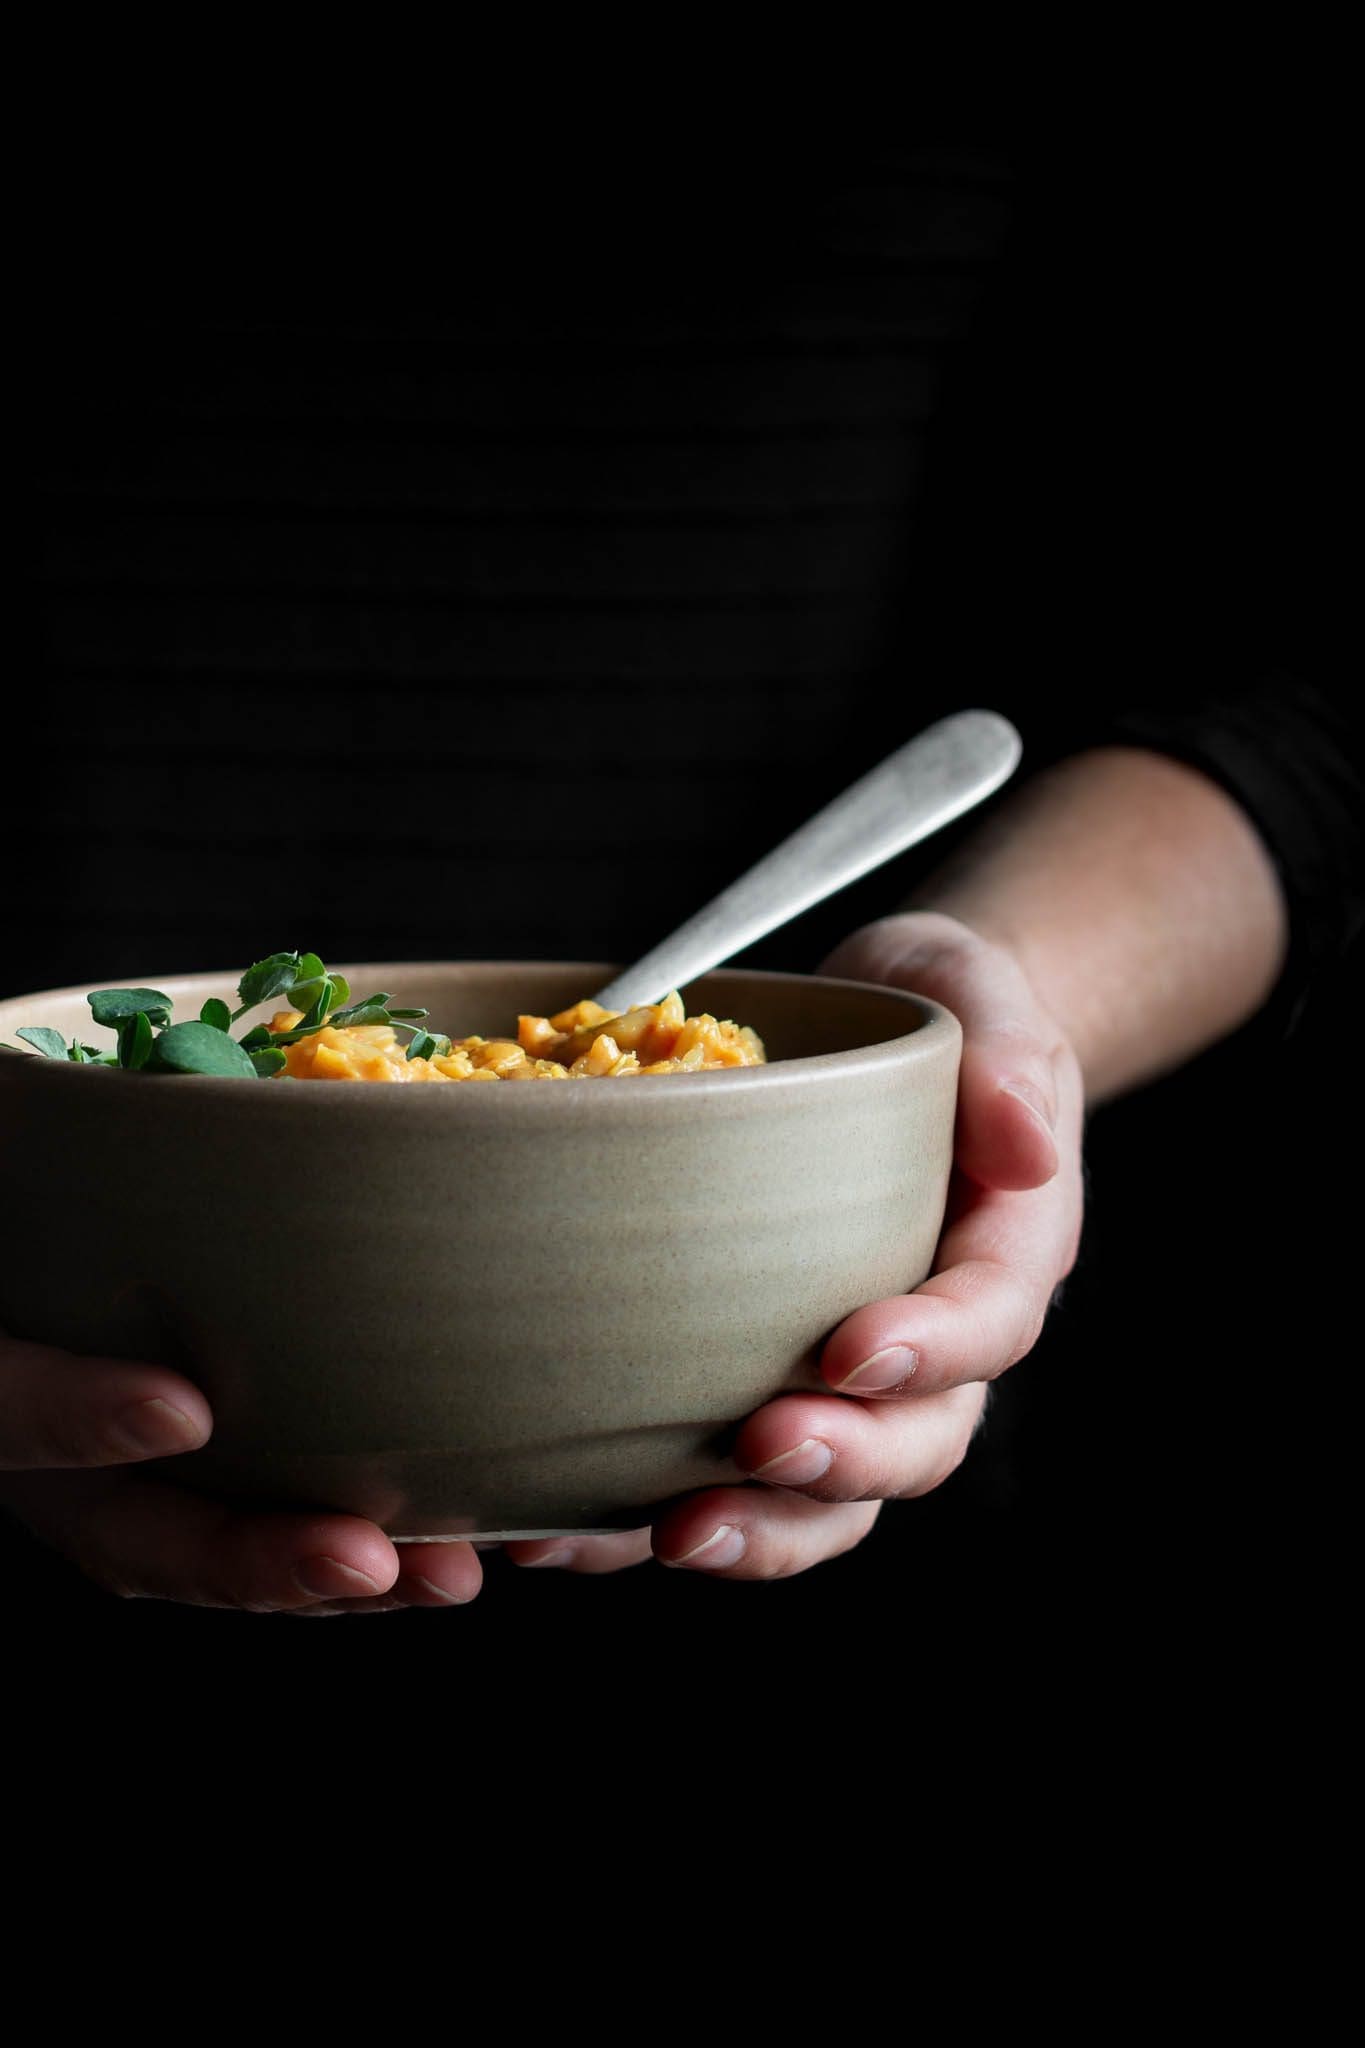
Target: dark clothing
[(611, 559), (516, 615)]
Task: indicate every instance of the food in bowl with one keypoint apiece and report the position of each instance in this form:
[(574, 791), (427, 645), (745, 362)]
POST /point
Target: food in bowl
[(584, 1042), (327, 1038)]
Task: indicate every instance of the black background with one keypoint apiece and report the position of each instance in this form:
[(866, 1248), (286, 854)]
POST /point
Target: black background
[(1152, 1484)]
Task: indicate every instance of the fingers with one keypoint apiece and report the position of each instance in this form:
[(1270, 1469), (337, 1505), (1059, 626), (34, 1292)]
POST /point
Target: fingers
[(143, 1539), (1000, 1265), (748, 1533), (831, 1450), (1011, 1085), (58, 1410), (589, 1554), (970, 1323), (1006, 1118), (437, 1574), (429, 1575), (1008, 1243)]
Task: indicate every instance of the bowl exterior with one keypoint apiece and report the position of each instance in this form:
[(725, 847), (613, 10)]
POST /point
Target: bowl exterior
[(478, 1309)]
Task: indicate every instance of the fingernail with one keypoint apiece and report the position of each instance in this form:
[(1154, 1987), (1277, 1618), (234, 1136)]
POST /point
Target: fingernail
[(155, 1429), (326, 1578), (800, 1467), (724, 1546), (564, 1556), (886, 1372), (440, 1593), (1034, 1100)]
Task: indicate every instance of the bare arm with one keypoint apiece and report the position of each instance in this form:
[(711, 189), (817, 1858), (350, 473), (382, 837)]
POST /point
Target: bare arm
[(1111, 919), (1139, 901)]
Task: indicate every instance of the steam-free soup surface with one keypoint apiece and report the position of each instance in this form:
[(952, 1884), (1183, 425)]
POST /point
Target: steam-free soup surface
[(584, 1043)]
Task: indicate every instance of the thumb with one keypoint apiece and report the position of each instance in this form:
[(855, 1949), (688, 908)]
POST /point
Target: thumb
[(1006, 1111), (1008, 1088)]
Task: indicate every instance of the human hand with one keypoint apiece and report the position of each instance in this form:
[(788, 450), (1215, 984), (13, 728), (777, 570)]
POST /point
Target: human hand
[(909, 1376), (70, 1429)]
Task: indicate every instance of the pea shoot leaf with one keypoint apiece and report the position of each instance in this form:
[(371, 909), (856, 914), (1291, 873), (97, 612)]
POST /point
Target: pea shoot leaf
[(428, 1045), (45, 1040), (372, 1010), (199, 1048), (112, 1005), (308, 982), (135, 1041), (269, 977)]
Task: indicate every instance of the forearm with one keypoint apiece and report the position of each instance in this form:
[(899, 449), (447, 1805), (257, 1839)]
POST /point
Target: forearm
[(1139, 900)]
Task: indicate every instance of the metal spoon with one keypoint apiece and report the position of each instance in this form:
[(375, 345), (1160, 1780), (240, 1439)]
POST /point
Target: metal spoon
[(921, 787)]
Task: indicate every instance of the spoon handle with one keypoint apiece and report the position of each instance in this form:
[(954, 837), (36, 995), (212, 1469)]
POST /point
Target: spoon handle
[(921, 787)]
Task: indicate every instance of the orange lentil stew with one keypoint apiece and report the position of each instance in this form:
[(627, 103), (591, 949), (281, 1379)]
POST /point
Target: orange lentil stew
[(584, 1043)]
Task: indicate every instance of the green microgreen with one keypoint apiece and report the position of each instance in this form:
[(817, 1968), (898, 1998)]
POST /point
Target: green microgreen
[(135, 1040), (199, 1048), (45, 1040), (427, 1044), (111, 1005), (148, 1042), (269, 977), (373, 1010)]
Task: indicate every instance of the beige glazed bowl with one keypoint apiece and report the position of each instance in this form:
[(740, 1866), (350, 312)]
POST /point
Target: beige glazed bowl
[(480, 1310)]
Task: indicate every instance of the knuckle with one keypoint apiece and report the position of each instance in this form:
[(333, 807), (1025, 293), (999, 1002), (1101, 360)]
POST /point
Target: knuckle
[(940, 1468), (854, 1528), (775, 1553), (59, 1441), (771, 1563), (217, 1585), (106, 1572), (1030, 1315), (950, 1451), (882, 1484), (1071, 1251), (955, 1452), (113, 1582)]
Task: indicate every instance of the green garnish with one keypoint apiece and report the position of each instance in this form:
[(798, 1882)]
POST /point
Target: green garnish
[(269, 977), (200, 1049), (148, 1042), (45, 1039), (118, 1005)]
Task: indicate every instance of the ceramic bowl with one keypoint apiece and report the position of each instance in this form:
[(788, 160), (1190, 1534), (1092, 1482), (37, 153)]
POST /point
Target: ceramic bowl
[(480, 1310)]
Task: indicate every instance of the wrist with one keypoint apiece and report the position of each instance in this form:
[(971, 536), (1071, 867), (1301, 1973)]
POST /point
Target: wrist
[(1137, 901), (924, 950)]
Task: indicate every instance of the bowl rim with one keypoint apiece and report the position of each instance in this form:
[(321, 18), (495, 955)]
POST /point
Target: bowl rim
[(926, 1038)]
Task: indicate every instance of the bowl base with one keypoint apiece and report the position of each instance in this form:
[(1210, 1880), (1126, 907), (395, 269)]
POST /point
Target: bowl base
[(504, 1535)]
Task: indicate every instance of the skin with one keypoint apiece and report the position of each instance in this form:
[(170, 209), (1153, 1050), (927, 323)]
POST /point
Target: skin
[(1111, 919)]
